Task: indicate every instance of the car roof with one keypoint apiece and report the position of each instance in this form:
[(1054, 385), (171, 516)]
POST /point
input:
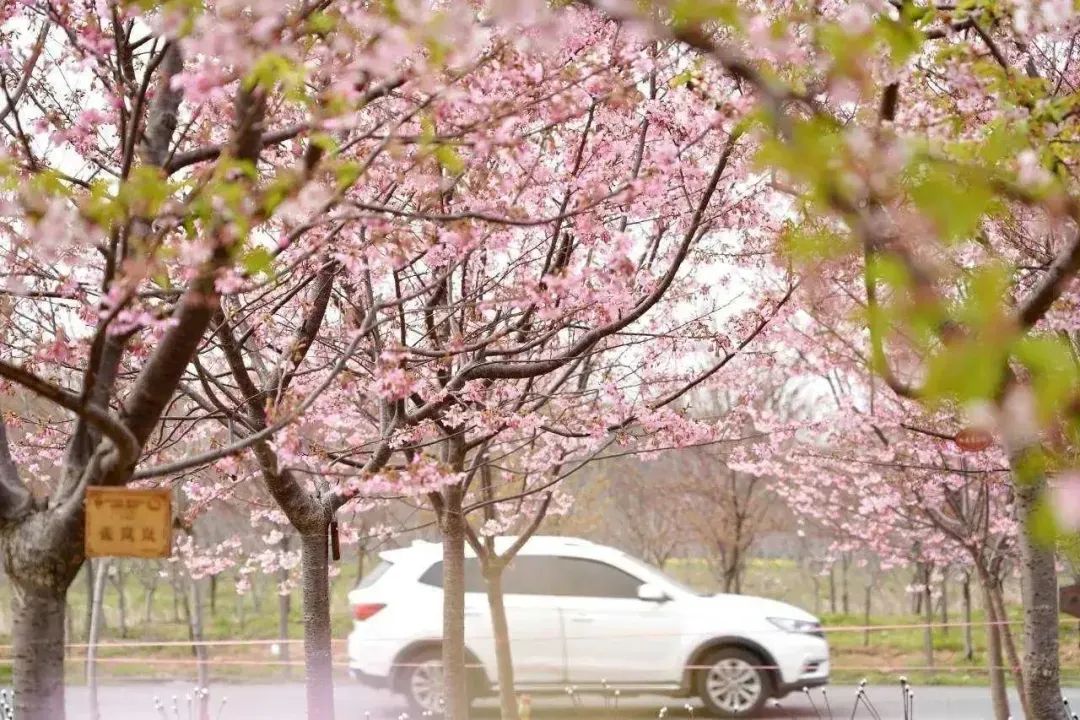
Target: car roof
[(536, 545)]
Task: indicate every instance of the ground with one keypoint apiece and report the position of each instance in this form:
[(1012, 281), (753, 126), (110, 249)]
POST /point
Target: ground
[(286, 702)]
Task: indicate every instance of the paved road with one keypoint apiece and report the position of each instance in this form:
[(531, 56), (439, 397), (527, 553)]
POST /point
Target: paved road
[(285, 701)]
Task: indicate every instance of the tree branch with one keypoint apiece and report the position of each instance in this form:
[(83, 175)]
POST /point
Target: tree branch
[(126, 442), (14, 496)]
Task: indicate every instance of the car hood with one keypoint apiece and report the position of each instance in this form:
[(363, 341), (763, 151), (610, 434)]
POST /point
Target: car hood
[(766, 607)]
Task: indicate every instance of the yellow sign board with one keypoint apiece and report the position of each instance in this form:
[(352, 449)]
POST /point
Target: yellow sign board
[(123, 522)]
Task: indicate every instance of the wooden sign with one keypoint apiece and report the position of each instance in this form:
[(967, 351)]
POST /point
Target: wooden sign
[(1069, 600), (123, 522)]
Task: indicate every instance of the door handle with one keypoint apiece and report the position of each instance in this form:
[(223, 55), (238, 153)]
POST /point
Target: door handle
[(581, 619)]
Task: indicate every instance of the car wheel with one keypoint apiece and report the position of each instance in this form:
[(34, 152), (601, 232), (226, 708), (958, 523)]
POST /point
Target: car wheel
[(732, 683), (422, 683)]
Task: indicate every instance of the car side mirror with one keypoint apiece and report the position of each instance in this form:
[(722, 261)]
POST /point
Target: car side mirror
[(652, 593)]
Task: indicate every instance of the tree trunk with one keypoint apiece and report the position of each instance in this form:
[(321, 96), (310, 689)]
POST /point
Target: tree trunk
[(995, 664), (213, 595), (193, 610), (38, 638), (503, 657), (69, 629), (867, 595), (121, 599), (241, 615), (176, 584), (832, 588), (88, 575), (928, 631), (318, 656), (284, 609), (148, 608), (96, 611), (945, 603), (845, 604), (1009, 643), (969, 644), (917, 597), (455, 678), (1038, 588)]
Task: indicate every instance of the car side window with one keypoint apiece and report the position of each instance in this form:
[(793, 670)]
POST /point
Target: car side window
[(547, 575), (579, 577), (474, 576), (530, 575)]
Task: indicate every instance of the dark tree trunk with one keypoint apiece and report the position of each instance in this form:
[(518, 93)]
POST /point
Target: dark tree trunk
[(995, 663), (1008, 642), (88, 576), (503, 657), (945, 603), (455, 677), (38, 637), (845, 601), (284, 610), (69, 627), (177, 600), (97, 612), (193, 611), (256, 595), (867, 595), (969, 644), (213, 595), (1039, 591), (928, 631), (832, 589), (148, 608), (121, 600), (240, 603), (318, 657)]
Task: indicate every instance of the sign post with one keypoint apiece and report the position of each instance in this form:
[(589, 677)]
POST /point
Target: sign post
[(124, 522)]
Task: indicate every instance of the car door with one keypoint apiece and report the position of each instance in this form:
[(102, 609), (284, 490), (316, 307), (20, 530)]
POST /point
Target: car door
[(611, 635), (534, 621), (535, 625)]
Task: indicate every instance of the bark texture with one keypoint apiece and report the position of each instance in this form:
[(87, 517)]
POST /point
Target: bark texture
[(501, 633), (995, 664), (454, 672), (318, 659), (1039, 591), (38, 635)]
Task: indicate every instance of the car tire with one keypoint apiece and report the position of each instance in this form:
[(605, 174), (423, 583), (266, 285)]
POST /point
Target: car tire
[(732, 683), (421, 683)]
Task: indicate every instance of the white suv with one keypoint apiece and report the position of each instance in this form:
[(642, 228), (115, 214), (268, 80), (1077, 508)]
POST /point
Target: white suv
[(587, 616)]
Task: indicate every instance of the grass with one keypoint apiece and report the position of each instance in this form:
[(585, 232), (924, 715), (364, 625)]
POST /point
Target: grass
[(889, 652)]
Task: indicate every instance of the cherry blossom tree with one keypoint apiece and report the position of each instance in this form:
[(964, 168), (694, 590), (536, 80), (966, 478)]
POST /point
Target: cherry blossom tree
[(536, 229), (879, 486), (927, 148), (155, 160)]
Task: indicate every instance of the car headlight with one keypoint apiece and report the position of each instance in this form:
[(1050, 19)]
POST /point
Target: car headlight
[(796, 626)]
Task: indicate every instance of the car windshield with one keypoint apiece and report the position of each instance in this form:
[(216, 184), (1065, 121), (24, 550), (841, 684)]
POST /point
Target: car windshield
[(649, 572)]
